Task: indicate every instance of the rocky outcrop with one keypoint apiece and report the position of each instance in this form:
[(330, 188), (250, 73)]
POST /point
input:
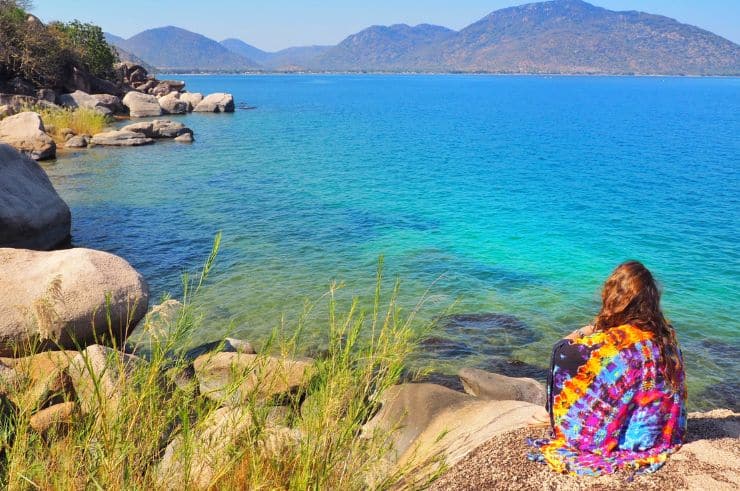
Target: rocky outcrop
[(141, 105), (85, 100), (427, 423), (231, 378), (120, 138), (66, 298), (158, 128), (165, 87), (495, 387), (171, 104), (25, 131), (110, 102), (192, 98), (32, 215), (216, 103)]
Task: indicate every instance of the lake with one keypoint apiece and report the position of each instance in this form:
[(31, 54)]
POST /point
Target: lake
[(508, 199)]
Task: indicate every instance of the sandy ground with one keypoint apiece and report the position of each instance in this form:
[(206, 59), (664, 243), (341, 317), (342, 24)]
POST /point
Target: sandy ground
[(710, 461)]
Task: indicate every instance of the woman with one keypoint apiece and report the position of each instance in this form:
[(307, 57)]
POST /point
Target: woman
[(616, 390)]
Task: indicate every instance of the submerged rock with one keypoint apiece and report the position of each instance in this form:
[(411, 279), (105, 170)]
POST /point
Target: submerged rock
[(120, 138), (25, 131), (66, 298), (32, 215), (141, 105), (216, 103), (495, 387)]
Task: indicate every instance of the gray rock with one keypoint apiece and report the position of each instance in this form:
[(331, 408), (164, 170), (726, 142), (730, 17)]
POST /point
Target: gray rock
[(32, 215), (110, 102), (141, 105), (192, 98), (159, 128), (47, 95), (79, 141), (171, 104), (25, 131), (216, 103), (495, 387), (120, 138), (167, 86), (78, 80), (186, 138), (97, 374), (65, 298), (84, 100)]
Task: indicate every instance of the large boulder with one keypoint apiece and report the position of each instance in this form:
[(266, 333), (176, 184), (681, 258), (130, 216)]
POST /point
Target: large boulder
[(167, 86), (110, 102), (158, 128), (427, 424), (25, 131), (78, 79), (216, 103), (79, 98), (66, 298), (495, 387), (32, 215), (171, 104), (192, 98), (141, 105), (231, 378), (120, 138)]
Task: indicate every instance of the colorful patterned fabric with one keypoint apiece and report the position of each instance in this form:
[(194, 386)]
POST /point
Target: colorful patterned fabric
[(610, 406)]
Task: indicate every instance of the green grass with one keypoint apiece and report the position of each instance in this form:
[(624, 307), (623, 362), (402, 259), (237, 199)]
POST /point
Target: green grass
[(119, 449), (82, 121)]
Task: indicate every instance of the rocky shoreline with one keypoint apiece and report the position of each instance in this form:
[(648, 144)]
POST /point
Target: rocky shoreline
[(135, 94)]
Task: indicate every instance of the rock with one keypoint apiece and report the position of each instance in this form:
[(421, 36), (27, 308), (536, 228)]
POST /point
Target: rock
[(5, 111), (492, 386), (228, 345), (160, 318), (230, 378), (186, 138), (213, 439), (216, 103), (82, 99), (171, 104), (120, 138), (25, 131), (78, 80), (32, 215), (65, 297), (146, 87), (79, 141), (158, 128), (192, 98), (57, 418), (427, 422), (47, 95), (110, 102), (167, 86), (101, 86), (105, 368), (41, 379), (141, 105)]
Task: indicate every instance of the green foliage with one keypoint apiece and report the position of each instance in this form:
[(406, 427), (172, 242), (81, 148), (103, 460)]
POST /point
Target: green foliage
[(45, 55), (88, 43), (81, 120)]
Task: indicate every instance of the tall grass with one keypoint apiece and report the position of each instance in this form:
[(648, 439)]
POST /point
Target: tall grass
[(81, 120), (318, 445)]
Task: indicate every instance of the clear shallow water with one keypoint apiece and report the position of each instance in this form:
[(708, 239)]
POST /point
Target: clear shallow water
[(513, 196)]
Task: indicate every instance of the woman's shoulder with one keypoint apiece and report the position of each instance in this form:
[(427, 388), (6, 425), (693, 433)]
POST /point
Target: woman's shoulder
[(620, 337)]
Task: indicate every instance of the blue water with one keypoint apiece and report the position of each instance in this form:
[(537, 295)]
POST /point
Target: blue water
[(510, 198)]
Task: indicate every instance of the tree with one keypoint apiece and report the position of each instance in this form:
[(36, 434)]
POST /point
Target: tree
[(88, 43)]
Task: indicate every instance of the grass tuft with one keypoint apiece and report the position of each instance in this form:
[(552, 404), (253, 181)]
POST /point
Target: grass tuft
[(81, 120)]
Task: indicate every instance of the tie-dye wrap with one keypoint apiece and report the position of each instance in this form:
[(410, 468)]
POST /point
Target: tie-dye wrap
[(610, 406)]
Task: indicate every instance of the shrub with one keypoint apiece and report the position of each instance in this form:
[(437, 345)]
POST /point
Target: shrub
[(81, 120), (89, 45)]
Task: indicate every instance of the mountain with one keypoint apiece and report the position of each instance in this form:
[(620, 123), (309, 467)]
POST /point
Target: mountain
[(123, 55), (175, 49), (572, 36), (241, 48), (396, 47), (560, 36)]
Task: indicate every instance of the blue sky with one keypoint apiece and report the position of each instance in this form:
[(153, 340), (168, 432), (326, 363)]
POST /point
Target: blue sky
[(277, 24)]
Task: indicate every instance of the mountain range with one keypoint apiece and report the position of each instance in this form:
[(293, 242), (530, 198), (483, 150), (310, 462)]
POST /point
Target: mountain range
[(556, 37)]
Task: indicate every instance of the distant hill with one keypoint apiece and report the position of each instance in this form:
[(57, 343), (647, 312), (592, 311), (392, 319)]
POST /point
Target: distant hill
[(396, 47), (175, 49), (124, 55), (559, 36)]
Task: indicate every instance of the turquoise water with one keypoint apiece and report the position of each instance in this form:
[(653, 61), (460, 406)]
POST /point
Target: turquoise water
[(509, 198)]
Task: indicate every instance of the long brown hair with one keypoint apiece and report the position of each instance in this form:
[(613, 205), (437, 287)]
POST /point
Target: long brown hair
[(631, 296)]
